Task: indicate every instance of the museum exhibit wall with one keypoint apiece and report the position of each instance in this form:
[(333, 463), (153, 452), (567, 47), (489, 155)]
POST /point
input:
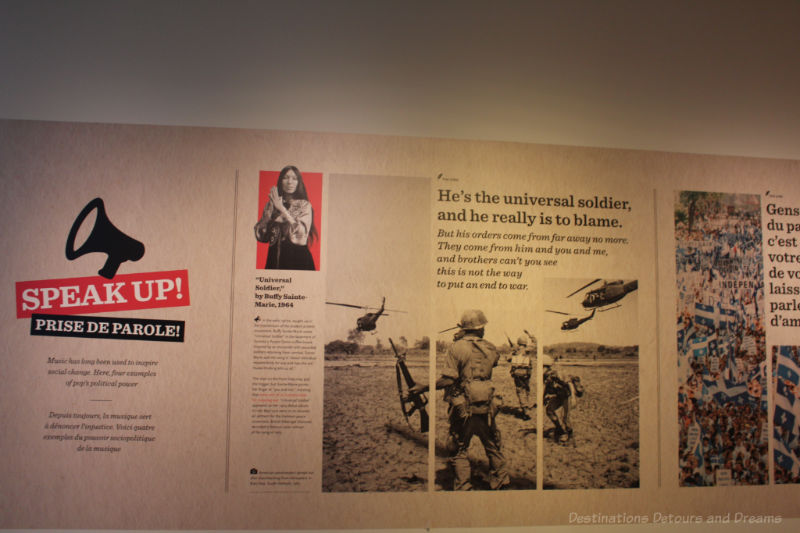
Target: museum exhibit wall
[(159, 376)]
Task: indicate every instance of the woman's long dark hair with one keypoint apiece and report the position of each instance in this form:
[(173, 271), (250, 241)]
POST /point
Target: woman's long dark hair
[(301, 194)]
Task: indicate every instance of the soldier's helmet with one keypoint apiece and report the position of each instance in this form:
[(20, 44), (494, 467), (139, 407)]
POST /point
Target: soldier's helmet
[(522, 341), (547, 360), (472, 319)]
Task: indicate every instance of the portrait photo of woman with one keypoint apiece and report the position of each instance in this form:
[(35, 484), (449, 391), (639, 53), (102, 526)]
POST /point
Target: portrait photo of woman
[(287, 226)]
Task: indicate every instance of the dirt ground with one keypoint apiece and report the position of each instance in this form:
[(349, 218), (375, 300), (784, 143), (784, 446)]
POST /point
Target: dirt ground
[(518, 439), (367, 445), (604, 452)]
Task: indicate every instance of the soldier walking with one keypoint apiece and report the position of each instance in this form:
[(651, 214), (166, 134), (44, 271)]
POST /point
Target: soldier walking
[(558, 392), (466, 376), (521, 370)]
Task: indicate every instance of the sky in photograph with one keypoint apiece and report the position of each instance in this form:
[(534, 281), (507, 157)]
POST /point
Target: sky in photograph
[(378, 245)]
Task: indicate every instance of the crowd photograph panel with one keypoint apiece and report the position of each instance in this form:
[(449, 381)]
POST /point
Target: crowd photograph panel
[(722, 363)]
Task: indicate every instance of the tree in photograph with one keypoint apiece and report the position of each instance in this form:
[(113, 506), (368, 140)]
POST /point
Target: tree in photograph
[(695, 203)]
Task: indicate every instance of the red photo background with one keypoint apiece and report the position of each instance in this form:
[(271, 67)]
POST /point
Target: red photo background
[(313, 182)]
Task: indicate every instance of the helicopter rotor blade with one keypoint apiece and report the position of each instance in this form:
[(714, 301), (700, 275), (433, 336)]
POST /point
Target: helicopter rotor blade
[(346, 305), (579, 290), (557, 312), (370, 308), (365, 307), (609, 308)]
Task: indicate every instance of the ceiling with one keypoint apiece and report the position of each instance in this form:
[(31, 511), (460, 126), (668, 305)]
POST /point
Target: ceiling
[(719, 77)]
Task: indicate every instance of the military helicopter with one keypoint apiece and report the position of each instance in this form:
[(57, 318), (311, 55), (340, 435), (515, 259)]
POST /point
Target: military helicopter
[(573, 322), (610, 292), (369, 321)]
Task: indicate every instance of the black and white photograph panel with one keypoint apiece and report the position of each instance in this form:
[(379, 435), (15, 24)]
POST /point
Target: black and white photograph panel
[(375, 434), (590, 383), (486, 401)]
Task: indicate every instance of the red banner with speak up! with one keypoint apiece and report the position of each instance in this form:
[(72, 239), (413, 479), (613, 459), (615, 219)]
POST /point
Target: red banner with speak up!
[(95, 294)]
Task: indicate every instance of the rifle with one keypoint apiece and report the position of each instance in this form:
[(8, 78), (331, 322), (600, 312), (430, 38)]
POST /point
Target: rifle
[(528, 333), (417, 401), (509, 341)]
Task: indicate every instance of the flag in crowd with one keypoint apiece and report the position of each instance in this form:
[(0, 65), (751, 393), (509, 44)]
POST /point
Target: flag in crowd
[(786, 415)]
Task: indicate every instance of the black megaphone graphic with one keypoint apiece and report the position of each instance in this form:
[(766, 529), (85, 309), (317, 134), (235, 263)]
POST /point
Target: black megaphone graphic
[(106, 238)]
